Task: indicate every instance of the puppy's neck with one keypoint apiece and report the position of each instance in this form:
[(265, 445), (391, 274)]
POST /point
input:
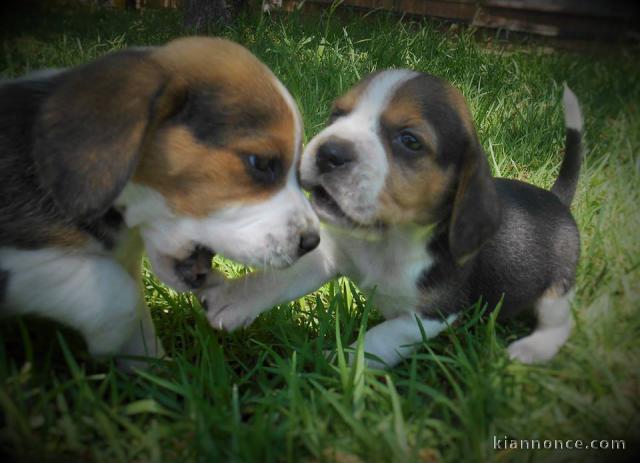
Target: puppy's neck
[(409, 232)]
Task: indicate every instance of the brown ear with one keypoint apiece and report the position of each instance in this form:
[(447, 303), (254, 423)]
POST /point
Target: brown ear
[(90, 132), (476, 210)]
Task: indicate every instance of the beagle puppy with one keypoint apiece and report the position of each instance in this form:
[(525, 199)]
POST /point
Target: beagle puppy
[(411, 212), (183, 150)]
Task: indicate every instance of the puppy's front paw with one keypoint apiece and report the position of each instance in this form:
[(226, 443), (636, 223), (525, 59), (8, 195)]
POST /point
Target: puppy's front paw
[(231, 318), (228, 307), (535, 348)]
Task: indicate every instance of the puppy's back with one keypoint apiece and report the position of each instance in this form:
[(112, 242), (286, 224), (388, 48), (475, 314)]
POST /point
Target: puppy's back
[(536, 247)]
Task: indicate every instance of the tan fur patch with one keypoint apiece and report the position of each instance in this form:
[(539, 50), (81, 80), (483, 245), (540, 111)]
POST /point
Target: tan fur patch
[(348, 101), (554, 292), (414, 195), (197, 177), (66, 237), (412, 192), (404, 112)]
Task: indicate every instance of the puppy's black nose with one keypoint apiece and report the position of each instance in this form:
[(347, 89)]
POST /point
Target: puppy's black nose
[(333, 154), (308, 242)]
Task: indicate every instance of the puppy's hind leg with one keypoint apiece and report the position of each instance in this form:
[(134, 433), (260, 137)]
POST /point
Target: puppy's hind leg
[(90, 293), (396, 339), (554, 325), (128, 329)]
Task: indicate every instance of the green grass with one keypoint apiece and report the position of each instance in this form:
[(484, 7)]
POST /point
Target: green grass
[(267, 393)]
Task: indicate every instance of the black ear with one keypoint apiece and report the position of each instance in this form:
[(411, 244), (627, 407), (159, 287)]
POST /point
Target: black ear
[(89, 133), (476, 209)]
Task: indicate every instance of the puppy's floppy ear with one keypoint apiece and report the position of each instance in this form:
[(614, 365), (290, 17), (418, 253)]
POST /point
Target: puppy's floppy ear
[(476, 209), (89, 134)]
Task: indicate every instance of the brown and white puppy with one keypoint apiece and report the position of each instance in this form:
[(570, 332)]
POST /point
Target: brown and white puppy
[(181, 150), (410, 209)]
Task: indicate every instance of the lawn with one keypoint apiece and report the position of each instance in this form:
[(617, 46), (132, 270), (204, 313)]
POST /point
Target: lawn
[(267, 393)]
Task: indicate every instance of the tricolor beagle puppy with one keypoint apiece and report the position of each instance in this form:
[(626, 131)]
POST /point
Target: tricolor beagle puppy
[(411, 210), (182, 150)]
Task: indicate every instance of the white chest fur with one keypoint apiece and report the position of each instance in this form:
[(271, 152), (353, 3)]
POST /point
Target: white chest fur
[(387, 266)]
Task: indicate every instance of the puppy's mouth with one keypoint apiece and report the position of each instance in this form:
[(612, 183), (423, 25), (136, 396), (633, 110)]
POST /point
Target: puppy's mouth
[(194, 269), (329, 210)]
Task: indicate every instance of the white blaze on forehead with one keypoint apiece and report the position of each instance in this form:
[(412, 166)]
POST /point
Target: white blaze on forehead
[(362, 123), (377, 94)]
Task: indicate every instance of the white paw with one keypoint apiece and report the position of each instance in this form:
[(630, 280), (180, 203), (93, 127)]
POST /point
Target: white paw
[(228, 307), (535, 348), (231, 318)]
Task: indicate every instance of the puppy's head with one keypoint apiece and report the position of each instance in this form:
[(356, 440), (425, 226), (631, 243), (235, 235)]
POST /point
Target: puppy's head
[(400, 148), (197, 142)]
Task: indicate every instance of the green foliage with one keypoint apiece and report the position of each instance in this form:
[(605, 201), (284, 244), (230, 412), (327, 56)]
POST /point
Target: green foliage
[(268, 393)]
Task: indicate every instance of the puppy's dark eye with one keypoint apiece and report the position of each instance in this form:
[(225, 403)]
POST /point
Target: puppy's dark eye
[(264, 170), (260, 164), (410, 141)]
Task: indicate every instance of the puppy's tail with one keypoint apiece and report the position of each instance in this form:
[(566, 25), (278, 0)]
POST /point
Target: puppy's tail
[(567, 181)]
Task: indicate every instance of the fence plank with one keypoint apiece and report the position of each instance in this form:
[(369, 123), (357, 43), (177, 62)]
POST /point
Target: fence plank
[(563, 18)]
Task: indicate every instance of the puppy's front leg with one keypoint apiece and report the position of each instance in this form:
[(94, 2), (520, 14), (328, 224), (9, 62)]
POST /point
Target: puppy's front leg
[(236, 303), (396, 339), (143, 342)]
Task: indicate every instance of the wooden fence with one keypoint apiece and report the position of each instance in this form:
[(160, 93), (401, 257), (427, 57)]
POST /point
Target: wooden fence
[(557, 18), (584, 19)]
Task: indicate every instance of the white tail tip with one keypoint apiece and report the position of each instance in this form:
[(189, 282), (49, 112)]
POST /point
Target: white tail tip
[(572, 114)]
